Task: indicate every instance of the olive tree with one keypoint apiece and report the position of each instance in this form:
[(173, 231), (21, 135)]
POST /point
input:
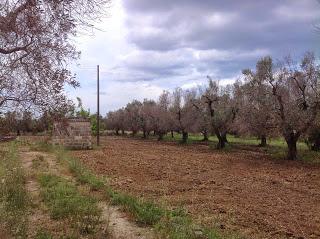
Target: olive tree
[(255, 102), (133, 117), (203, 120), (221, 110), (296, 91), (36, 48), (147, 117), (115, 121), (183, 112), (162, 117)]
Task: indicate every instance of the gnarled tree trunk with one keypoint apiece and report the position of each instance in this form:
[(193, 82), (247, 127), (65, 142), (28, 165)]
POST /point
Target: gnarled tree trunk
[(160, 136), (316, 145), (222, 137), (291, 140), (263, 142), (205, 136), (184, 137)]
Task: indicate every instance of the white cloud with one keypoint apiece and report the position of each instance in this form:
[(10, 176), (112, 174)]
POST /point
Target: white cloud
[(298, 10), (224, 55), (218, 19), (116, 95)]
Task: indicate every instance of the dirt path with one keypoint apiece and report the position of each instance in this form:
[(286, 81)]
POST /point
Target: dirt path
[(39, 219), (121, 227), (115, 222), (242, 191)]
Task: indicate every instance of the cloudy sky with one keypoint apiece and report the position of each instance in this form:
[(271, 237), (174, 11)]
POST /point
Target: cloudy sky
[(145, 47)]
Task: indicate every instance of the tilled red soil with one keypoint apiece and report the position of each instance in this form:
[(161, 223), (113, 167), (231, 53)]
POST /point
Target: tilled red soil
[(240, 191)]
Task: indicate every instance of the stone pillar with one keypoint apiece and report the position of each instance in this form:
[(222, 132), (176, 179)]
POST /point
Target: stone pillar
[(72, 133)]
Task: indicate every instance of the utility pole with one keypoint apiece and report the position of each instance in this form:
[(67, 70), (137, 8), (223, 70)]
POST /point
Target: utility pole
[(98, 108)]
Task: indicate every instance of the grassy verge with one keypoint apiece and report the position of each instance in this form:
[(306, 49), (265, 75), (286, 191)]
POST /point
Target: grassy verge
[(173, 224), (65, 202), (13, 194), (145, 212)]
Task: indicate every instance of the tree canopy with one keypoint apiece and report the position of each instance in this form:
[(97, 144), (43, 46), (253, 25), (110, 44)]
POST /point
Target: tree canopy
[(36, 49)]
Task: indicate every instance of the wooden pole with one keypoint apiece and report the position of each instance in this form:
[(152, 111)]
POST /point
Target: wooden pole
[(98, 107)]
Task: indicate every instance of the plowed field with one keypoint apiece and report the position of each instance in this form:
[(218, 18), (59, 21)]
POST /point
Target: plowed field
[(242, 191)]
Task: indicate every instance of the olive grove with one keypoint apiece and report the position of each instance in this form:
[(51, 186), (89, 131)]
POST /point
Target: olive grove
[(271, 100)]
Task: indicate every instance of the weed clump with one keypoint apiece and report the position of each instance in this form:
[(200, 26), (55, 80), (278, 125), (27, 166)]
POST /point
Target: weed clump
[(65, 202), (84, 176), (146, 213), (42, 234)]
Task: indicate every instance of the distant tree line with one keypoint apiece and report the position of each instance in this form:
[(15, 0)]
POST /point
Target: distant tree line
[(280, 99), (24, 123), (29, 122)]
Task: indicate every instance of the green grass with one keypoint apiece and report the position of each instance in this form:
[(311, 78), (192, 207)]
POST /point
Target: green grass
[(196, 138), (173, 224), (83, 175), (65, 202), (13, 195), (277, 147), (144, 212), (42, 234)]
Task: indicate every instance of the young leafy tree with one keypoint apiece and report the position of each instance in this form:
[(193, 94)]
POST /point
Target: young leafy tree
[(80, 111)]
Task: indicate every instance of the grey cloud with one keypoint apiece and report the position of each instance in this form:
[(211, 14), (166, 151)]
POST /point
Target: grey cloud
[(281, 27), (254, 25)]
